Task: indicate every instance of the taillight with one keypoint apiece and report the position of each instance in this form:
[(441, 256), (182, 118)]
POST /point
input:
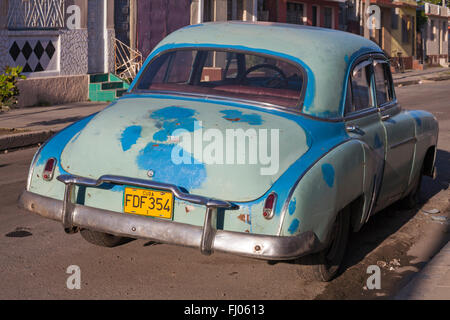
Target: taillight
[(49, 169), (269, 206)]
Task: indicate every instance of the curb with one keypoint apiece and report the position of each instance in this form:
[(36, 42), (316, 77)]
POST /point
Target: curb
[(24, 139), (417, 81), (425, 284)]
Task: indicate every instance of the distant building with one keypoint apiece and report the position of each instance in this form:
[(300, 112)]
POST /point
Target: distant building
[(397, 32), (435, 43)]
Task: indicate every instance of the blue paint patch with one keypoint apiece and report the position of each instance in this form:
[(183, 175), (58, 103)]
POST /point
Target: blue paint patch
[(129, 137), (158, 157), (294, 226), (416, 118), (238, 116), (377, 143), (328, 174), (292, 206), (172, 118)]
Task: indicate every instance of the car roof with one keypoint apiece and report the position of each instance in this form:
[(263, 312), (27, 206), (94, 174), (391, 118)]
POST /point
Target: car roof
[(324, 53)]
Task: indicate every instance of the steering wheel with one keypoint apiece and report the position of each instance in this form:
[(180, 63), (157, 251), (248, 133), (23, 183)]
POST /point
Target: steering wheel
[(273, 82)]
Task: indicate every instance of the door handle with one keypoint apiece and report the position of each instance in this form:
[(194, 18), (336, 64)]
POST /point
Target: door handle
[(385, 117), (351, 128)]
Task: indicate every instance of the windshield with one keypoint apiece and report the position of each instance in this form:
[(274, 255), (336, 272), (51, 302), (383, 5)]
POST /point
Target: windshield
[(227, 74)]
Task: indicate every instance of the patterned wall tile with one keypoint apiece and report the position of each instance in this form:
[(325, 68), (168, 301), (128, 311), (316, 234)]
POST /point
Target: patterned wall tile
[(74, 52), (33, 54)]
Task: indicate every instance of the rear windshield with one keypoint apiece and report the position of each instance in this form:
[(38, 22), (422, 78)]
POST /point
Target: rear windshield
[(227, 74)]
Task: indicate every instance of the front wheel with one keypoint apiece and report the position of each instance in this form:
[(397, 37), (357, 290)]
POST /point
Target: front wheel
[(324, 265), (103, 239)]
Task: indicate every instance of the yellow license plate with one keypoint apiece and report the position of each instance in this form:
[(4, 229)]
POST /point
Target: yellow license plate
[(146, 202)]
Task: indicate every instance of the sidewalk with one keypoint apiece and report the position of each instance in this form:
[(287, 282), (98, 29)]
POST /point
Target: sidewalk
[(416, 76), (432, 282), (28, 126)]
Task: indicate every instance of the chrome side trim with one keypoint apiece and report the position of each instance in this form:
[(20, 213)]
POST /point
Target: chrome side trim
[(165, 231), (398, 144)]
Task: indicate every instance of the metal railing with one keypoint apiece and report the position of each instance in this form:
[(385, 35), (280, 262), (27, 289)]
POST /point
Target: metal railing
[(128, 61)]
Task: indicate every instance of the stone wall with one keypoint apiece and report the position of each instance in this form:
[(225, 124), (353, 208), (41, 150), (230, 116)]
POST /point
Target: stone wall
[(53, 90), (3, 48)]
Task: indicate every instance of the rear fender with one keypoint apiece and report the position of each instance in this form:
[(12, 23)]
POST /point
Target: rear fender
[(336, 180)]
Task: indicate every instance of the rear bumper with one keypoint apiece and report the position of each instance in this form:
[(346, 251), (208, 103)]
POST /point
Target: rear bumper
[(134, 226)]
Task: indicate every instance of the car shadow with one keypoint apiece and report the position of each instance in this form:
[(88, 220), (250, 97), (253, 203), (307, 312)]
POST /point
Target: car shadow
[(55, 121)]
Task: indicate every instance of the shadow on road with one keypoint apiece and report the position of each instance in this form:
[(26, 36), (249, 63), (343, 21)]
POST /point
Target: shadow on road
[(54, 121)]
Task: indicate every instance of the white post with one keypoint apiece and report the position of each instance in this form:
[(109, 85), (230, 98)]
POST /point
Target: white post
[(105, 37), (200, 11)]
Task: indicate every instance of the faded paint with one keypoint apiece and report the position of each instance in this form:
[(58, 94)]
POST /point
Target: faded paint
[(293, 228), (292, 206), (237, 116), (328, 174)]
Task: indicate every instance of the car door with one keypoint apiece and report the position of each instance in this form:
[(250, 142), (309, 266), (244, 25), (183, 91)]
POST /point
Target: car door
[(400, 136), (363, 122)]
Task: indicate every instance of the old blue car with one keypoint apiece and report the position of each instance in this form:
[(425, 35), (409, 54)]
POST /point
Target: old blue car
[(264, 140)]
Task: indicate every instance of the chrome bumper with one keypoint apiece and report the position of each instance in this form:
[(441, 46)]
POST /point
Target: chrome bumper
[(207, 238)]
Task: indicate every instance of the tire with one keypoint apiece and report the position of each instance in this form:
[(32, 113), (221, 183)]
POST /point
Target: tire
[(412, 198), (325, 265), (103, 239)]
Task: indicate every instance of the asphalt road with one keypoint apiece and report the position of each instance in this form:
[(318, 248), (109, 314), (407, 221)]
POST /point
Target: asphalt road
[(35, 253)]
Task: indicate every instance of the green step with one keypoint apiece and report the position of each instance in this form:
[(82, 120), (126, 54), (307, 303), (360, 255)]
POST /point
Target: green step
[(100, 77), (106, 87), (120, 92), (112, 85)]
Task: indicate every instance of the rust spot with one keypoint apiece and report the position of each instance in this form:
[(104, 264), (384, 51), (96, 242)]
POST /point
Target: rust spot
[(233, 119), (156, 145), (177, 123), (247, 231), (244, 218)]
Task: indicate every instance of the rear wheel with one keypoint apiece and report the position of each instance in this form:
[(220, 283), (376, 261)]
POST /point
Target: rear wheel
[(324, 265), (103, 239), (412, 199)]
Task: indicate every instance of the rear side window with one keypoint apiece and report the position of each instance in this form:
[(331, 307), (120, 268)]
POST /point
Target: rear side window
[(383, 83), (359, 93)]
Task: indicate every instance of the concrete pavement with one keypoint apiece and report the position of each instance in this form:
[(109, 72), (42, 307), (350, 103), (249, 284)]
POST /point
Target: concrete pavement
[(432, 282), (27, 126), (410, 77)]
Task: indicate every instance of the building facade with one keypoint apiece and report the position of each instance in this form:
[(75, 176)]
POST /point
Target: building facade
[(57, 42), (435, 44)]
